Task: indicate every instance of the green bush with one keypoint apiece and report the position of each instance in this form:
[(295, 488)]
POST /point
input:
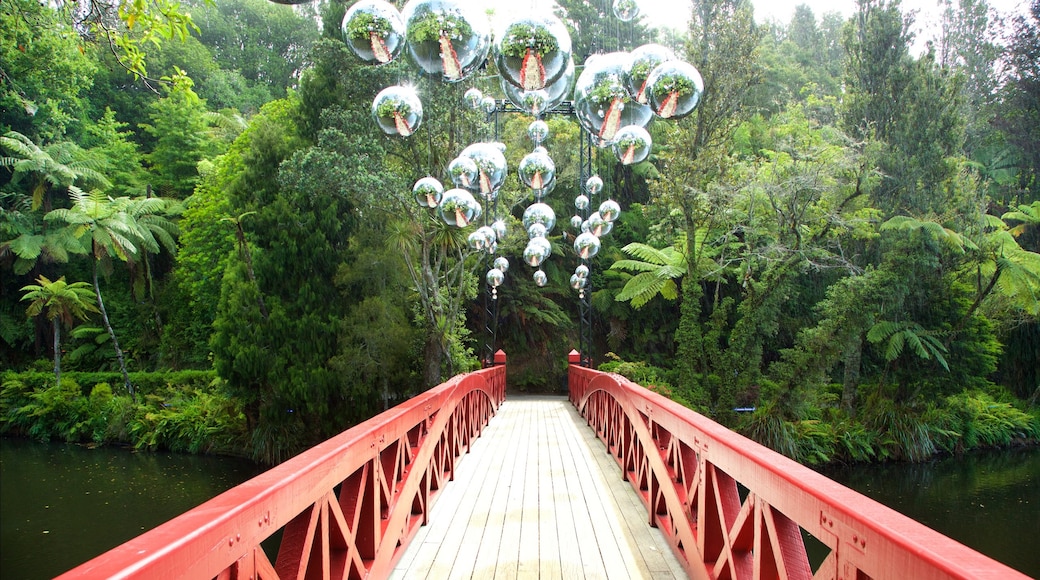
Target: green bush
[(981, 421)]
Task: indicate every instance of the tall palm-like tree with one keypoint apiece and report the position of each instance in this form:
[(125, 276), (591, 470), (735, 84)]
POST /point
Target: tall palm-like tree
[(123, 228), (36, 173), (62, 303)]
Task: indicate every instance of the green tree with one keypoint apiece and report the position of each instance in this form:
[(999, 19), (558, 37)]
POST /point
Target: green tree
[(62, 303), (123, 228), (181, 140)]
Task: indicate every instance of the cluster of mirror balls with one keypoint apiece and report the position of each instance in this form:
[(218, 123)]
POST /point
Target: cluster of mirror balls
[(615, 97)]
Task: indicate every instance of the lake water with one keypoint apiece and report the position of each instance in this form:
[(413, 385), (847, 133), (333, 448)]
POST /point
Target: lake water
[(61, 505)]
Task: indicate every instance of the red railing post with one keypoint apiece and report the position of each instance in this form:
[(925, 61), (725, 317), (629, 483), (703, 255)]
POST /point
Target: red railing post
[(387, 470), (688, 471)]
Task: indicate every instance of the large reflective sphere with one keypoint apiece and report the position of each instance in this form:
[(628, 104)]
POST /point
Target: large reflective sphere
[(537, 250), (499, 226), (540, 279), (540, 213), (536, 230), (397, 110), (533, 52), (582, 271), (428, 192), (642, 62), (586, 245), (576, 222), (581, 202), (459, 208), (446, 39), (477, 241), (578, 282), (491, 166), (490, 237), (538, 131), (536, 170), (473, 98), (501, 263), (675, 89), (495, 277), (594, 185), (601, 101), (626, 10), (609, 210), (374, 31), (463, 172), (598, 226), (632, 145)]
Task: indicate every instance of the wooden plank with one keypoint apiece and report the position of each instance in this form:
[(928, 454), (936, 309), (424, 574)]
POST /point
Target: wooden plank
[(538, 497)]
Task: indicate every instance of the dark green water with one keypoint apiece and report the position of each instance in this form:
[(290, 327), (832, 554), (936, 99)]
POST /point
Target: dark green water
[(990, 501), (61, 505)]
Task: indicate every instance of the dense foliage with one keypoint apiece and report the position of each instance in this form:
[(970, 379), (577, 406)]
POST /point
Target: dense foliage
[(841, 241)]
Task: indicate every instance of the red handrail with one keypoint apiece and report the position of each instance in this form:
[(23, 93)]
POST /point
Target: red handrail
[(689, 472), (348, 506)]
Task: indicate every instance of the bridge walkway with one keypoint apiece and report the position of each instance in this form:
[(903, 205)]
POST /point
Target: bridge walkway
[(538, 496)]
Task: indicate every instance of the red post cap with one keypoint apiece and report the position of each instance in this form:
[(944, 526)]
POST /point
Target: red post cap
[(500, 357), (574, 357)]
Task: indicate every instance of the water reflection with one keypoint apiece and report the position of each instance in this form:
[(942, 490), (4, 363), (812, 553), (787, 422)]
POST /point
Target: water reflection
[(61, 505)]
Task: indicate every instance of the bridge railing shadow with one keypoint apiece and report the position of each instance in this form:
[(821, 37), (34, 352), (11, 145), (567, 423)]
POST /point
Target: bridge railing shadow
[(345, 508), (734, 509)]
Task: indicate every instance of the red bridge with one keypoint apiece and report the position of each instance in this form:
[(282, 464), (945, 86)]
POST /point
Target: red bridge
[(459, 482)]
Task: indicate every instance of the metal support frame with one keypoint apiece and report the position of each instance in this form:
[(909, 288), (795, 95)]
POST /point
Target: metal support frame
[(585, 296)]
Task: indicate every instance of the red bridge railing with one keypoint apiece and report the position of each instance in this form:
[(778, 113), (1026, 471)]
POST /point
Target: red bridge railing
[(732, 509), (347, 507)]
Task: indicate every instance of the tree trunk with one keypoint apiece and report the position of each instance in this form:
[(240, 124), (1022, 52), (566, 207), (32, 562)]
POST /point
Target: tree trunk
[(112, 335), (432, 361), (57, 351), (850, 384)]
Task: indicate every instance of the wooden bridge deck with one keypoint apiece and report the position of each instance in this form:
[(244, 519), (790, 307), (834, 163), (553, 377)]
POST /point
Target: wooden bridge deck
[(538, 497)]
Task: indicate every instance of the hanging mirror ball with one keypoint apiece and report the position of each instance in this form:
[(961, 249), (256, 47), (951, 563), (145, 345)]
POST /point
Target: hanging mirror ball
[(536, 230), (397, 110), (536, 170), (598, 226), (593, 185), (540, 213), (538, 131), (601, 101), (495, 277), (537, 250), (459, 208), (609, 210), (582, 271), (586, 246), (491, 166), (540, 279), (576, 222), (499, 226), (632, 145), (488, 104), (642, 62), (446, 39), (489, 234), (473, 98), (374, 31), (532, 52), (477, 241), (675, 89), (534, 102), (578, 282), (428, 192), (463, 172), (626, 10), (581, 202), (502, 264)]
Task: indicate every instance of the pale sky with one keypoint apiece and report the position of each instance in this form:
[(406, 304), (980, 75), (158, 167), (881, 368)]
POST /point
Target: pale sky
[(665, 11)]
